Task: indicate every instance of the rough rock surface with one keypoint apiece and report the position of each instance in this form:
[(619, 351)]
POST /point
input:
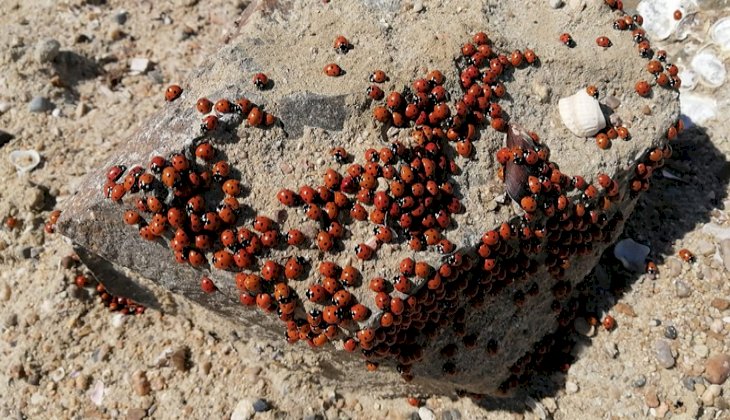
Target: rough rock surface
[(319, 113)]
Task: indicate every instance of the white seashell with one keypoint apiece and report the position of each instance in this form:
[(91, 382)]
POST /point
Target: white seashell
[(709, 67), (631, 254), (697, 108), (720, 33), (24, 160), (689, 79), (582, 114), (659, 16)]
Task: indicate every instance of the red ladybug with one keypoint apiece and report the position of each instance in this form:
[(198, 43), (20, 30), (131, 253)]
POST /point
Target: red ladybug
[(567, 40), (378, 76), (342, 45), (207, 285), (204, 105), (260, 80), (173, 92), (333, 70), (287, 197), (643, 88), (603, 41)]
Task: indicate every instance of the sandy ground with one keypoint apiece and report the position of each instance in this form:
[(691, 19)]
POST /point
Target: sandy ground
[(63, 355)]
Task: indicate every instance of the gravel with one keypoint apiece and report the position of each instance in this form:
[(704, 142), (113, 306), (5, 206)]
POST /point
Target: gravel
[(663, 354), (40, 104)]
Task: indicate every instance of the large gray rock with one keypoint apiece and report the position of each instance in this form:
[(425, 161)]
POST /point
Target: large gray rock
[(473, 332)]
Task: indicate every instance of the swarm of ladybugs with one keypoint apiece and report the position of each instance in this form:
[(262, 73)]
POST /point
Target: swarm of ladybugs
[(405, 191)]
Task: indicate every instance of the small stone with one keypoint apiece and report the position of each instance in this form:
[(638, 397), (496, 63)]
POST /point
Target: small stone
[(5, 292), (136, 413), (139, 65), (662, 410), (81, 382), (646, 110), (707, 397), (625, 308), (261, 405), (81, 109), (571, 387), (725, 251), (701, 351), (670, 332), (243, 410), (452, 414), (689, 383), (115, 34), (720, 304), (555, 4), (541, 89), (121, 17), (179, 359), (426, 413), (418, 6), (639, 382), (663, 354), (611, 349), (4, 107), (674, 267), (46, 50), (40, 104), (140, 383), (721, 404), (704, 247), (650, 398), (682, 288), (615, 120), (717, 369)]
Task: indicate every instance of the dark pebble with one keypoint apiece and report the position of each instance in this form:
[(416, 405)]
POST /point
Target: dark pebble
[(670, 332), (415, 416), (451, 415), (639, 382), (689, 383), (261, 405)]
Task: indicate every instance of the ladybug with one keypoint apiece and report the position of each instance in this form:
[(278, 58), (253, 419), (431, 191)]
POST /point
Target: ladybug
[(342, 45), (340, 154), (324, 241), (210, 123), (382, 114), (350, 276), (270, 271), (204, 105), (287, 197), (677, 15), (316, 293), (270, 238), (207, 285), (480, 38), (341, 298), (117, 192), (623, 132), (255, 117), (131, 217), (359, 312), (224, 106), (567, 40), (603, 41), (260, 80), (222, 260), (642, 88), (115, 172), (530, 56), (378, 76), (609, 323), (364, 252), (602, 141), (686, 255), (333, 70), (263, 224), (592, 91), (394, 101), (375, 92), (176, 217), (654, 67), (205, 151), (294, 268), (651, 268), (232, 187), (173, 92)]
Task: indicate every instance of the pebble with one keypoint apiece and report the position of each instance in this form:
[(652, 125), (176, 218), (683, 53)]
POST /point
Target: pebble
[(261, 405), (418, 6), (81, 382), (40, 104), (707, 397), (139, 65), (121, 17), (646, 110), (555, 4), (663, 354), (244, 410), (452, 414), (650, 398), (717, 368), (704, 247), (46, 50), (674, 267), (683, 289), (179, 359), (670, 332), (689, 383), (625, 308), (540, 89), (571, 387), (701, 351), (725, 251), (611, 349), (426, 413), (4, 107), (639, 382), (136, 413), (5, 292), (582, 327), (720, 304), (140, 383)]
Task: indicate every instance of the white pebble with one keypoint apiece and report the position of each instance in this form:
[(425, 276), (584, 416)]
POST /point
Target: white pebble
[(425, 413), (555, 4), (139, 65), (571, 387)]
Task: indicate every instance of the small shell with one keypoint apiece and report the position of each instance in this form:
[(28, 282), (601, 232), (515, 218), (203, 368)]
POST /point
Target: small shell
[(720, 33), (582, 114), (24, 160), (631, 254), (709, 67)]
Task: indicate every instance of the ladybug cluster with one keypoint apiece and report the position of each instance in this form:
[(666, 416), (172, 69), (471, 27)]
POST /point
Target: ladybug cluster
[(405, 191)]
